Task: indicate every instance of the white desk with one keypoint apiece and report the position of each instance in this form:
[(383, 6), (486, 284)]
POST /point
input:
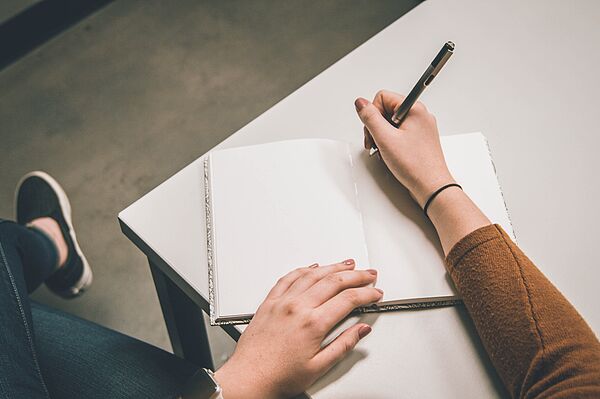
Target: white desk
[(525, 74)]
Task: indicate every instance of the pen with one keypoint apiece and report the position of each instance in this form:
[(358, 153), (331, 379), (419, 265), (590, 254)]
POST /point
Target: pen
[(410, 304), (431, 72)]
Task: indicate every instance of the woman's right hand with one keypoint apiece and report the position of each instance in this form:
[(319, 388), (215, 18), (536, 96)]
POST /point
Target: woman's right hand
[(412, 152)]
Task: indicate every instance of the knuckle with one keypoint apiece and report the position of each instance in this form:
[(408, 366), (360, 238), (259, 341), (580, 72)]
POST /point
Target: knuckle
[(367, 276), (366, 114), (311, 277), (375, 294), (266, 306), (334, 279), (292, 274), (347, 345), (312, 322), (281, 280), (300, 273), (290, 307), (313, 368), (380, 93), (352, 296)]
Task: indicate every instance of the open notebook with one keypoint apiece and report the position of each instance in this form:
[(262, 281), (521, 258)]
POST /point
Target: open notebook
[(273, 207)]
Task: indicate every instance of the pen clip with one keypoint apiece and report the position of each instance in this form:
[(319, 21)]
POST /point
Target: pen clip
[(441, 59)]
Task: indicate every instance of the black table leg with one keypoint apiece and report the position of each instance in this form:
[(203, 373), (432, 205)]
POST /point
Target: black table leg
[(184, 320)]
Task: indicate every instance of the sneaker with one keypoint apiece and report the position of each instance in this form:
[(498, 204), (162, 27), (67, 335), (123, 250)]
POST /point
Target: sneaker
[(39, 195)]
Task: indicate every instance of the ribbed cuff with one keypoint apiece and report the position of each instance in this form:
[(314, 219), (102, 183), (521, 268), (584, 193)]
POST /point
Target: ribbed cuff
[(472, 241)]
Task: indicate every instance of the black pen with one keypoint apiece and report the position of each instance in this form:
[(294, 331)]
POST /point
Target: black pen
[(410, 304), (431, 72)]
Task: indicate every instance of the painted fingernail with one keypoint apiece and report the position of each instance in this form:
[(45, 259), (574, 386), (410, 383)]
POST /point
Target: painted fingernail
[(360, 103), (348, 262), (372, 271), (363, 331), (313, 266)]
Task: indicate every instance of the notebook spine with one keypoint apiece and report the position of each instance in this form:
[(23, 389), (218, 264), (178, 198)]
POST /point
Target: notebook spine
[(210, 253)]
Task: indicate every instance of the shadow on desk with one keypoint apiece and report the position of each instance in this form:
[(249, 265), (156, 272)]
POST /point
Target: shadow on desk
[(340, 369), (400, 197)]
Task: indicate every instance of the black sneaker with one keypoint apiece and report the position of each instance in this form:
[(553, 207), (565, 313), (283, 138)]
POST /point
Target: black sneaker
[(39, 195)]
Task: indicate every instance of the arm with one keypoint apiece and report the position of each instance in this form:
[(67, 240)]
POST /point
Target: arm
[(537, 341)]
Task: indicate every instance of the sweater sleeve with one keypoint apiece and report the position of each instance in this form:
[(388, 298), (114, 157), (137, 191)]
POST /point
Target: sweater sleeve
[(538, 343)]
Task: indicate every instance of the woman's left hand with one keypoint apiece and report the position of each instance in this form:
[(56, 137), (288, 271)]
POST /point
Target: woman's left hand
[(280, 354)]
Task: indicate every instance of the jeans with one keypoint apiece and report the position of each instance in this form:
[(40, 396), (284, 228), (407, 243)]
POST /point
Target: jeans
[(45, 353)]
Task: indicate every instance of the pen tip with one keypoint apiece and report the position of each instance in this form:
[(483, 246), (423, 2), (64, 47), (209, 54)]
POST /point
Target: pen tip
[(450, 45)]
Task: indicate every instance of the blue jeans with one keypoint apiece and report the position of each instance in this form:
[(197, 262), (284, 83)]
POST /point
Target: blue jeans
[(45, 353)]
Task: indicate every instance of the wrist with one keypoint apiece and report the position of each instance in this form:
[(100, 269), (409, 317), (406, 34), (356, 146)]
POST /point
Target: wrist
[(238, 382), (445, 201), (232, 384), (437, 192), (454, 216), (422, 191)]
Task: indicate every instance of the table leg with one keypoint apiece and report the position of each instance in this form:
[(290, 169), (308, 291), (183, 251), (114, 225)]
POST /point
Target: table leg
[(184, 320)]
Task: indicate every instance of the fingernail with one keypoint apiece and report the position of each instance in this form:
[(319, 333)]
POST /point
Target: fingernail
[(364, 331), (360, 103), (314, 265), (379, 289), (372, 271), (348, 262)]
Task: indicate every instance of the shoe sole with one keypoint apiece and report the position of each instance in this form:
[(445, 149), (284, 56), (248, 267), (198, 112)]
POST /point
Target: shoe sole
[(65, 206)]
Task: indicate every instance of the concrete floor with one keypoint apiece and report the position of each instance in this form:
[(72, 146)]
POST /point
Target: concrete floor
[(127, 97), (10, 8)]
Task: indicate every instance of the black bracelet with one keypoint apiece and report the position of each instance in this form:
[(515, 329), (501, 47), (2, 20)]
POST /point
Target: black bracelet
[(435, 194)]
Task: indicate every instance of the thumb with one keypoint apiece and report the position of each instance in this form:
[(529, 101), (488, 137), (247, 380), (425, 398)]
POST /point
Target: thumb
[(371, 117), (339, 347)]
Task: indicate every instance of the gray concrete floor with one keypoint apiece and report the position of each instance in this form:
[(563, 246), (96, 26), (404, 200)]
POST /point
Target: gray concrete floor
[(121, 101), (10, 8)]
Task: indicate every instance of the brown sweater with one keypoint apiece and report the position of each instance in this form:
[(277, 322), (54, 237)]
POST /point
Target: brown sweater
[(539, 344)]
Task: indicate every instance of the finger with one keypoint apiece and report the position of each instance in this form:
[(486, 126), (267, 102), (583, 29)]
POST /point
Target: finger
[(340, 306), (369, 143), (332, 284), (315, 275), (371, 117), (388, 102), (284, 283), (339, 347)]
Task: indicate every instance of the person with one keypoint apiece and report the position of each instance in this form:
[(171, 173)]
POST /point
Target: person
[(538, 343)]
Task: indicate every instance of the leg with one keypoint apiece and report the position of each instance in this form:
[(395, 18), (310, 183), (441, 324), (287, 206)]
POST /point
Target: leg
[(80, 359), (26, 259), (184, 320), (42, 204), (69, 357), (33, 250)]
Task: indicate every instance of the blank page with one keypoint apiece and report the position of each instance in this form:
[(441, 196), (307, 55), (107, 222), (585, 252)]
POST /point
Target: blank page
[(403, 244), (276, 207)]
